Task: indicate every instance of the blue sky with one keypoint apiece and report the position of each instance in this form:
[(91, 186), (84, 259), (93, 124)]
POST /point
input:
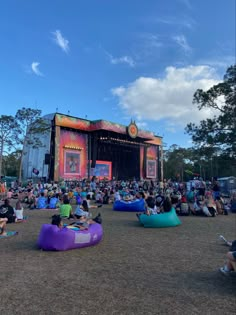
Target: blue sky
[(115, 60)]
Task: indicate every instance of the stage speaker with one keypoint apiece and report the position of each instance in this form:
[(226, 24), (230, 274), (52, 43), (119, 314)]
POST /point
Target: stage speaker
[(94, 152), (47, 159)]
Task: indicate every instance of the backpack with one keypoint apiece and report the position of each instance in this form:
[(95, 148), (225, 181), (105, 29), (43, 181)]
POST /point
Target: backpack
[(190, 196)]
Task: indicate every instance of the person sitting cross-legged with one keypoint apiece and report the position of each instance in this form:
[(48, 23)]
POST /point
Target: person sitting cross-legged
[(41, 202), (66, 209)]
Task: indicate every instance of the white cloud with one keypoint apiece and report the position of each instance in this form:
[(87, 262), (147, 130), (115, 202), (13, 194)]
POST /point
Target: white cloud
[(124, 59), (182, 42), (168, 98), (35, 68), (61, 41), (185, 21)]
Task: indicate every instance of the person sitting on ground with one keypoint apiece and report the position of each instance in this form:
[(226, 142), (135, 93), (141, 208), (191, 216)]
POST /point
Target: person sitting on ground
[(191, 199), (219, 205), (54, 202), (184, 208), (3, 223), (211, 206), (117, 196), (9, 193), (200, 208), (18, 210), (230, 264), (175, 203), (66, 209), (167, 205), (41, 202), (7, 211), (105, 199)]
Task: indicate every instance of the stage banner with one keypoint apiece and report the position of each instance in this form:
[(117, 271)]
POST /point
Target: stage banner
[(102, 169), (72, 155), (151, 168), (71, 162)]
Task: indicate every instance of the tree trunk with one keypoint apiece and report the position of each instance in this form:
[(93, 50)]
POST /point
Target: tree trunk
[(1, 156), (20, 168)]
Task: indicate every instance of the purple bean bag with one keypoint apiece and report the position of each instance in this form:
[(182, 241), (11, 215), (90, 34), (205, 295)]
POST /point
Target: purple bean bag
[(53, 238)]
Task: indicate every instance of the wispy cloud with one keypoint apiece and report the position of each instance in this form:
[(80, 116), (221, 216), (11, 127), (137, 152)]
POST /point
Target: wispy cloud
[(187, 3), (123, 59), (218, 61), (151, 41), (35, 68), (61, 41), (185, 21), (182, 42)]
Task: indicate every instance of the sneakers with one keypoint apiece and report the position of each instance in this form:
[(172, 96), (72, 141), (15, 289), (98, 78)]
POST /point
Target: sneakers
[(224, 272), (221, 237)]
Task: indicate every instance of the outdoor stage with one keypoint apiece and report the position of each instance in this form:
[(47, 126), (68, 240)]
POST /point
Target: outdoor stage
[(80, 148)]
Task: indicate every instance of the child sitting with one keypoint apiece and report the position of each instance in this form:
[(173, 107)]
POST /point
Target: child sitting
[(18, 210)]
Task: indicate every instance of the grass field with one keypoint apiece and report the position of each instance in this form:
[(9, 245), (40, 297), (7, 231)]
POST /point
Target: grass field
[(132, 271)]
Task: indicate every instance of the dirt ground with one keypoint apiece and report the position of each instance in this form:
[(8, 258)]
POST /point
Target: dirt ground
[(132, 271)]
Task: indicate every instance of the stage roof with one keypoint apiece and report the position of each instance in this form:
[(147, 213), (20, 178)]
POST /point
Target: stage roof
[(96, 125)]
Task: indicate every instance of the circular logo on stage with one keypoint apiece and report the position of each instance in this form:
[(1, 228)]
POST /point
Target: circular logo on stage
[(132, 130)]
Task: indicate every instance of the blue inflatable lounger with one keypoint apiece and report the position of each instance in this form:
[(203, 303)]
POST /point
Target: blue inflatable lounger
[(137, 205), (167, 219)]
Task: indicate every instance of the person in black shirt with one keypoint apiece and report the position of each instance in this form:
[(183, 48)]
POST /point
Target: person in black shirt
[(6, 211)]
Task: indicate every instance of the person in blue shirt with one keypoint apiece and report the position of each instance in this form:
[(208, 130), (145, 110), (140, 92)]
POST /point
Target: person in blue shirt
[(41, 202)]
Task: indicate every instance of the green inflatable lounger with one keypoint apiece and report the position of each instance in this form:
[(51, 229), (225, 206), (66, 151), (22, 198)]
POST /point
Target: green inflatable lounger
[(167, 219)]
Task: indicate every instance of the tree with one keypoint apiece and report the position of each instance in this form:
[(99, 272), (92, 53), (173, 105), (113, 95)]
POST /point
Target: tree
[(11, 163), (29, 125), (220, 131), (7, 129), (176, 161)]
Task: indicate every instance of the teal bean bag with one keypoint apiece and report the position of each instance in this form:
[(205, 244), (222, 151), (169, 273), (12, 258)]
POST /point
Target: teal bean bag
[(161, 220)]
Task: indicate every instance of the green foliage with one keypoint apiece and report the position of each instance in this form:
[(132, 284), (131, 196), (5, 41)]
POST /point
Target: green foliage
[(7, 127), (30, 124), (218, 132), (179, 163), (11, 164)]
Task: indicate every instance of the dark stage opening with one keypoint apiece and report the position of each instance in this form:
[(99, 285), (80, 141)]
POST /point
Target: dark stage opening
[(125, 159)]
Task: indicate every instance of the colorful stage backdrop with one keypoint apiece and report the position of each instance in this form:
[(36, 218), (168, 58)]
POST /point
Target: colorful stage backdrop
[(72, 155), (102, 169)]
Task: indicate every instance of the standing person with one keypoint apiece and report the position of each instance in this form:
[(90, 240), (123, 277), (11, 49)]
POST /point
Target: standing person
[(216, 188)]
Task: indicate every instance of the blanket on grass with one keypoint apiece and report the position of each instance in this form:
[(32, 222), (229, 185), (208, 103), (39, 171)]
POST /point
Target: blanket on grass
[(9, 233)]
